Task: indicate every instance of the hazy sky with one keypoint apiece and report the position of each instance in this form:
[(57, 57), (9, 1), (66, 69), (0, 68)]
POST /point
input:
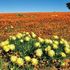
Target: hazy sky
[(33, 5)]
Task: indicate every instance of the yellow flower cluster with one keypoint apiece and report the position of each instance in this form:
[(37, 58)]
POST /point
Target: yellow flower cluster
[(34, 47), (27, 58), (39, 52), (48, 41), (4, 43), (19, 61), (19, 35), (34, 61), (27, 38), (41, 40), (6, 46), (33, 34), (48, 48), (13, 37), (51, 53), (63, 54), (37, 44)]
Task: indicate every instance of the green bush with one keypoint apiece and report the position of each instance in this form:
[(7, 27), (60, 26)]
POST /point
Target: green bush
[(27, 50)]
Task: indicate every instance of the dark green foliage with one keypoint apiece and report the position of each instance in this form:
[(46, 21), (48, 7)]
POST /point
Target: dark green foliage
[(68, 5)]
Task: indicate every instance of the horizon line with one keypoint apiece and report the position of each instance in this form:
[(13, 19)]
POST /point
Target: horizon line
[(39, 12)]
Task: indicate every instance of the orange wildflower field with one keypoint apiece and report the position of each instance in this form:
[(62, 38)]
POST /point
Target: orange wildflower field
[(43, 24)]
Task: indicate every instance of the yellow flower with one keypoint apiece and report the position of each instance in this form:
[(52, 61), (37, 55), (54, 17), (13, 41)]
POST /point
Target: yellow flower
[(55, 37), (6, 48), (20, 61), (34, 61), (63, 64), (13, 58), (48, 48), (40, 39), (11, 68), (67, 45), (27, 33), (56, 42), (19, 35), (51, 53), (63, 54), (27, 58), (27, 38), (48, 41), (67, 50), (11, 46), (55, 46), (13, 37), (62, 39), (61, 42), (37, 44), (33, 34), (4, 43), (39, 52), (21, 40)]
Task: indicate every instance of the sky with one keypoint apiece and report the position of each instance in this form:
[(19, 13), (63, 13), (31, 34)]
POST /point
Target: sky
[(33, 6)]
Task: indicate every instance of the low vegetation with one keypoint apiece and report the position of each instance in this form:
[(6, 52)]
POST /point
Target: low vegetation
[(27, 51)]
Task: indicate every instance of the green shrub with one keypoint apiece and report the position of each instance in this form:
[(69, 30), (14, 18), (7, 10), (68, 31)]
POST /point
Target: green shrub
[(28, 50)]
